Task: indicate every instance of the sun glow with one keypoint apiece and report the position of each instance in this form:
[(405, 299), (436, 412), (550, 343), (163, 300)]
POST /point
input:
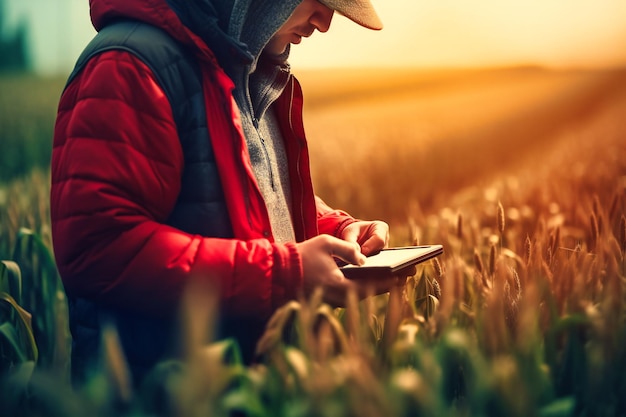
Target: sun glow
[(556, 33)]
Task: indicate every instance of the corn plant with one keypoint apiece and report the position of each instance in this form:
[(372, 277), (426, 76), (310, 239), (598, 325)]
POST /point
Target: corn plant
[(17, 340), (43, 295)]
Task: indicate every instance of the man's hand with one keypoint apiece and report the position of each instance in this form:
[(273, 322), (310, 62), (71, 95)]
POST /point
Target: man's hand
[(371, 236), (320, 269)]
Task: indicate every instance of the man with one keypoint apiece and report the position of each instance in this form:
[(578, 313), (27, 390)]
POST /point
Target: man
[(179, 155)]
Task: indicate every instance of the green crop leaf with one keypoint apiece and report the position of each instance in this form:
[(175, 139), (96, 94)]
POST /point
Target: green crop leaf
[(43, 294), (225, 351), (562, 407), (11, 280), (12, 349), (16, 329)]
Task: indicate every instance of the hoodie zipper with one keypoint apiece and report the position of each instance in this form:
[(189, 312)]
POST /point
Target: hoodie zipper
[(256, 123), (266, 154)]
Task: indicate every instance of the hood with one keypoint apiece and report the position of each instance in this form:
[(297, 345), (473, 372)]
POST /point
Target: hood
[(231, 32), (236, 31)]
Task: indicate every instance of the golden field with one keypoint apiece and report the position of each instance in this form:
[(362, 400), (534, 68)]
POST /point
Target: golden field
[(424, 136), (519, 172)]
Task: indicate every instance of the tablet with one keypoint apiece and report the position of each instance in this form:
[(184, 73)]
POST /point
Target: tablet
[(391, 260)]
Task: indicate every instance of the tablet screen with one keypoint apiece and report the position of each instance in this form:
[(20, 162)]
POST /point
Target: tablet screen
[(391, 260)]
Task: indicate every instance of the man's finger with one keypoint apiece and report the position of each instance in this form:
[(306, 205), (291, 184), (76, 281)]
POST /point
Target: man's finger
[(351, 234), (376, 238), (347, 251)]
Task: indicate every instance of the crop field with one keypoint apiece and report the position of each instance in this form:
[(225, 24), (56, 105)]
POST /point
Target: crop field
[(520, 173)]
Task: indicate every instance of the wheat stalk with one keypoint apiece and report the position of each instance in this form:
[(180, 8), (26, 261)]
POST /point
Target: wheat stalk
[(500, 219)]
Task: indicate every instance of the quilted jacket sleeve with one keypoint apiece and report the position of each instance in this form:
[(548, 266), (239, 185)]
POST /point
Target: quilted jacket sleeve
[(116, 169), (331, 221)]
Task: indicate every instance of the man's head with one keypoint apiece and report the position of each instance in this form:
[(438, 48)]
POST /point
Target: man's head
[(317, 14)]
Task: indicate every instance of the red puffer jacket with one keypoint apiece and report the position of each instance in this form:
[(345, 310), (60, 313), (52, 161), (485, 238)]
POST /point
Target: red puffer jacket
[(116, 172)]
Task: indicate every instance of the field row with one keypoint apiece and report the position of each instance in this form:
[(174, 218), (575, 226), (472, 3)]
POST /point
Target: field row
[(378, 156)]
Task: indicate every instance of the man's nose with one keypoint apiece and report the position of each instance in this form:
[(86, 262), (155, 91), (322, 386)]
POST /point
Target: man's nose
[(322, 17)]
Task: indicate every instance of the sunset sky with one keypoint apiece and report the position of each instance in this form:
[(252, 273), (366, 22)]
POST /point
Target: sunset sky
[(422, 33), (437, 33)]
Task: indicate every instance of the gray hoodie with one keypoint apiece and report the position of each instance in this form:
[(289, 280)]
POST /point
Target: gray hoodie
[(237, 31)]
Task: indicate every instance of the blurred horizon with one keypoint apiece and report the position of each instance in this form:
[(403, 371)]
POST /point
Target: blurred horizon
[(447, 34)]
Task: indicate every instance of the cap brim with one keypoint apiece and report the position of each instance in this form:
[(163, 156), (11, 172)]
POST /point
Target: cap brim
[(359, 11)]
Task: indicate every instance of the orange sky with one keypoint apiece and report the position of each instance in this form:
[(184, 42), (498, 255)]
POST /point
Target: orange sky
[(436, 33), (421, 33)]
